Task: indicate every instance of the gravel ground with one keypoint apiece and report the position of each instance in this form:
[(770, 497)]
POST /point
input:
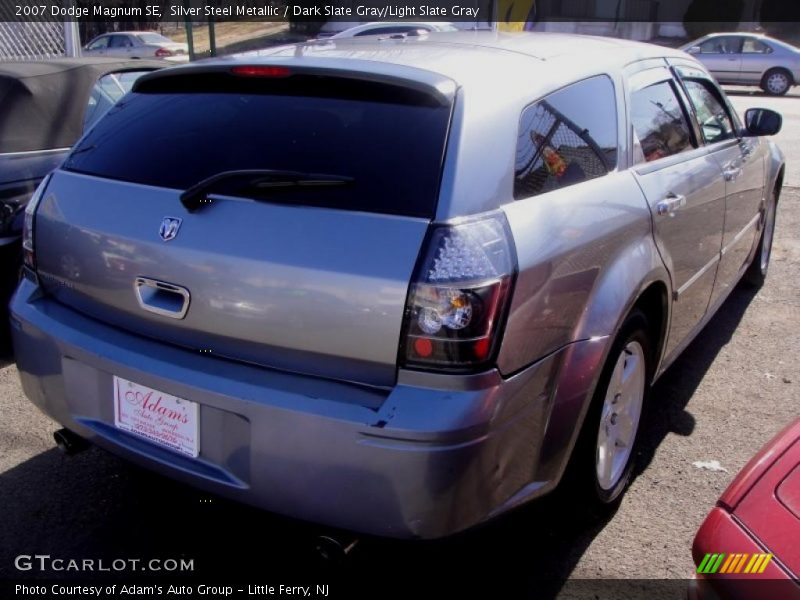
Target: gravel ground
[(730, 392)]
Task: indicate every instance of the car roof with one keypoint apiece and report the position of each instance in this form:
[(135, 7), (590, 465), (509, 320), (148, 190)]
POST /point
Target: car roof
[(397, 23), (469, 58), (127, 32), (44, 101), (495, 75), (736, 33), (24, 69)]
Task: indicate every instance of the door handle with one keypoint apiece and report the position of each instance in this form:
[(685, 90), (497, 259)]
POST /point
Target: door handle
[(161, 298), (670, 204), (731, 173)]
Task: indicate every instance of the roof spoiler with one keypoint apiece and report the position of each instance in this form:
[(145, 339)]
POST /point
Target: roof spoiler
[(437, 87)]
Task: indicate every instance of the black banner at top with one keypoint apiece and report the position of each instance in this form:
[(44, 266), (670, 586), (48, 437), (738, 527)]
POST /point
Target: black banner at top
[(477, 11)]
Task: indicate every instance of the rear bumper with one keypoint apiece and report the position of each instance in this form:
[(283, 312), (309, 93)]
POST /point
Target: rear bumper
[(426, 458)]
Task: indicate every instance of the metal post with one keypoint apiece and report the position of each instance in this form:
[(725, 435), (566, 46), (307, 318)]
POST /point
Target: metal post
[(72, 39), (212, 38), (189, 34)]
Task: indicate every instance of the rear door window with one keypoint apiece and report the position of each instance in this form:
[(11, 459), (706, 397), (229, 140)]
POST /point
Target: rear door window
[(387, 140), (722, 45), (752, 46), (660, 125), (119, 41), (567, 138)]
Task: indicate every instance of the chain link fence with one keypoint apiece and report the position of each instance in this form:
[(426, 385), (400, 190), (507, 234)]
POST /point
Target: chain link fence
[(35, 40)]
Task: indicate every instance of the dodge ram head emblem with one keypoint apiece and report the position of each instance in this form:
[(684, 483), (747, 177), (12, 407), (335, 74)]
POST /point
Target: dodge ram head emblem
[(169, 228)]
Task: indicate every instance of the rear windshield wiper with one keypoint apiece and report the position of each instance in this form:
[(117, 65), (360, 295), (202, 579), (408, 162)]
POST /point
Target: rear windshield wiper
[(259, 180)]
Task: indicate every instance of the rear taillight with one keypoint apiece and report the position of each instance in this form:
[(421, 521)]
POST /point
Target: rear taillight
[(28, 255), (459, 298), (163, 53)]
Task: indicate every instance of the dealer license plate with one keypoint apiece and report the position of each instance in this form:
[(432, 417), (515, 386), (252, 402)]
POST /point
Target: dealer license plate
[(161, 418)]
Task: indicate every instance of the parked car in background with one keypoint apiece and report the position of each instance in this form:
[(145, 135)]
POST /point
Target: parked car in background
[(749, 59), (45, 106), (402, 286), (747, 546), (137, 44), (393, 28)]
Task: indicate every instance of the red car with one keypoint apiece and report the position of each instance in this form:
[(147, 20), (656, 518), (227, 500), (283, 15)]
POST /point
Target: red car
[(749, 545)]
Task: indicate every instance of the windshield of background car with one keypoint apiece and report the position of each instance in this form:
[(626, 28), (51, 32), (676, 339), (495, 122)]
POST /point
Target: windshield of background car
[(176, 132)]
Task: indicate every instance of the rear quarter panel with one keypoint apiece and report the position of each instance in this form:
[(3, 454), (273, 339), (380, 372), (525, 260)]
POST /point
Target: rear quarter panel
[(585, 254)]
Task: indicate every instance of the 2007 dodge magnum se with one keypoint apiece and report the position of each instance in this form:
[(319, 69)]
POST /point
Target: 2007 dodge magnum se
[(399, 285)]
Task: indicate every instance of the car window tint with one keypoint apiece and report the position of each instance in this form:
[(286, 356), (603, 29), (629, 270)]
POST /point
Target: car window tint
[(712, 116), (176, 133), (752, 46), (108, 89), (721, 45), (566, 138), (659, 122)]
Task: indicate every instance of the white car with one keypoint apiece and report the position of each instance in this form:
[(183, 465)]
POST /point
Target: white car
[(136, 44), (342, 29)]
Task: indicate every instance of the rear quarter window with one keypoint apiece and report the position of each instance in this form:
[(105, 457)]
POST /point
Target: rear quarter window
[(567, 138)]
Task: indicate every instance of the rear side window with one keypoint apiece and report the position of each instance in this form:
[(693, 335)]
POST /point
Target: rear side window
[(386, 140), (752, 46), (567, 138), (722, 45), (119, 41), (659, 124)]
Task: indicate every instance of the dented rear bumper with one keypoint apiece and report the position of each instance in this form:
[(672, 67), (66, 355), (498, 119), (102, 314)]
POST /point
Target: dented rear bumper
[(430, 456)]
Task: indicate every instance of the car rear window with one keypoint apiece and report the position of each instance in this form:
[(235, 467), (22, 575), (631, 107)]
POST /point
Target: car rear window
[(175, 133)]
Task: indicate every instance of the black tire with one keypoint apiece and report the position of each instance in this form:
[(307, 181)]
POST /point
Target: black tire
[(756, 273), (777, 82), (582, 477), (9, 278)]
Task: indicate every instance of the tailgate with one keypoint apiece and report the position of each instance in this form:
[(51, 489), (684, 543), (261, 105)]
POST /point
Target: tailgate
[(305, 289), (304, 267)]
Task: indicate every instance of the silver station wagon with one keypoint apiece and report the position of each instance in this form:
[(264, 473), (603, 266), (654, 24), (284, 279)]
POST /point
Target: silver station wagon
[(392, 285)]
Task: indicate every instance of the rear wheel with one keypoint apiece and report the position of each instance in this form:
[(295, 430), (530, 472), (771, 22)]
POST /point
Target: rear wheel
[(777, 82), (605, 455), (756, 273)]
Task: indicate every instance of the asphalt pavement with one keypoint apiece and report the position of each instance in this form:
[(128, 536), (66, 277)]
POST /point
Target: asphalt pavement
[(730, 392)]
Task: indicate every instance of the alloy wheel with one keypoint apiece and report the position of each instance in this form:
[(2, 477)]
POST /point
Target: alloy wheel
[(619, 420)]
